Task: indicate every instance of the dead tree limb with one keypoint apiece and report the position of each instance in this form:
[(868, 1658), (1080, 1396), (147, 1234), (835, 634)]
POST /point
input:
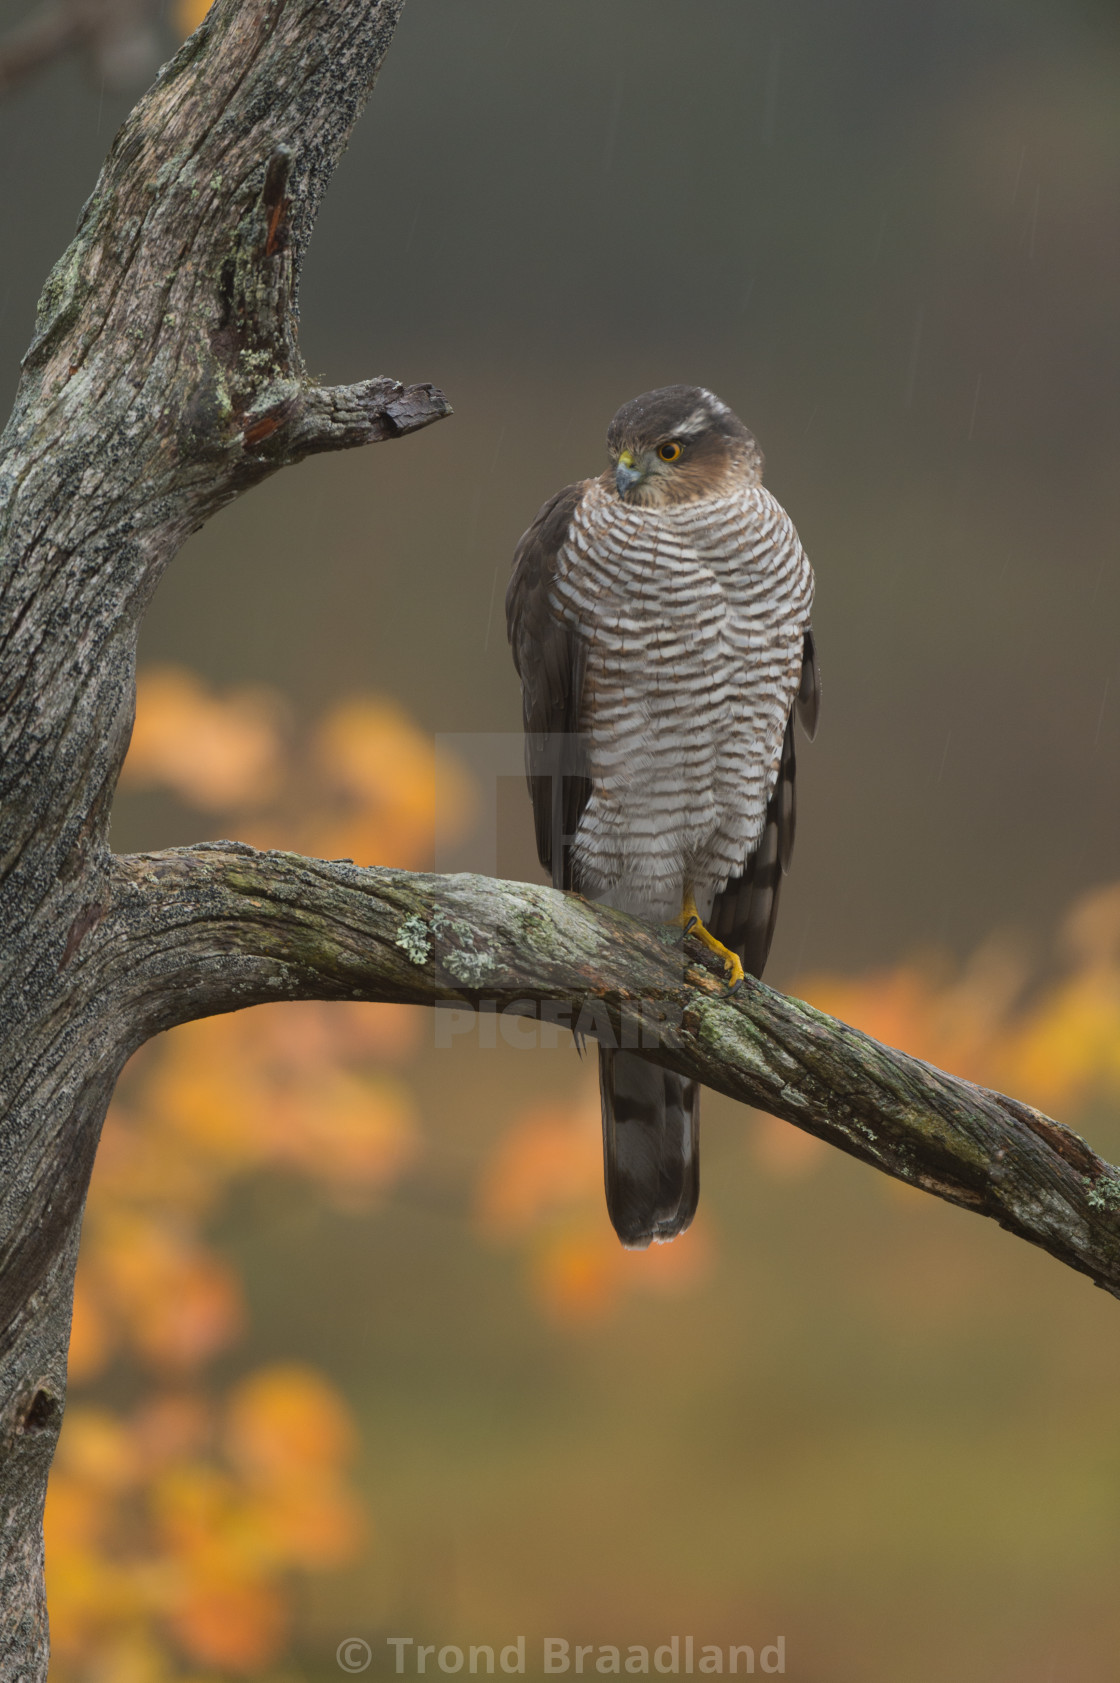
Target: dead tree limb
[(196, 931), (164, 378)]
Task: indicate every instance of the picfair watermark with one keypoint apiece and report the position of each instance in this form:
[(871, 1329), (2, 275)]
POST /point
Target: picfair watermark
[(645, 1025)]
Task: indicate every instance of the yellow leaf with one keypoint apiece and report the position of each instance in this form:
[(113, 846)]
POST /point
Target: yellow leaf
[(216, 754), (189, 14), (550, 1158), (285, 1420)]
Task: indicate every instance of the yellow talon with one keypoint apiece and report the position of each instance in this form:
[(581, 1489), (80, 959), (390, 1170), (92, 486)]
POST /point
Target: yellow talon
[(693, 924)]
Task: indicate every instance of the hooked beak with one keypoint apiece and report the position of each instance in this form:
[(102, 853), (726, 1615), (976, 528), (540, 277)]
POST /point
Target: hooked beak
[(626, 474)]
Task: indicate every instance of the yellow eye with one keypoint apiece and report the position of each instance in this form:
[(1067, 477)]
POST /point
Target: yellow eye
[(670, 452)]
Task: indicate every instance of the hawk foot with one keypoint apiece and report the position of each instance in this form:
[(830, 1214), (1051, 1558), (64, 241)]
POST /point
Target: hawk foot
[(693, 925)]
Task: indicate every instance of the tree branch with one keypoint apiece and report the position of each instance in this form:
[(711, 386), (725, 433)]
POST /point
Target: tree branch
[(118, 37), (201, 930), (291, 421), (164, 378)]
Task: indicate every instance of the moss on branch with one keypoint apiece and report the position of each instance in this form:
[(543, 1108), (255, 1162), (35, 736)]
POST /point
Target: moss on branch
[(213, 928)]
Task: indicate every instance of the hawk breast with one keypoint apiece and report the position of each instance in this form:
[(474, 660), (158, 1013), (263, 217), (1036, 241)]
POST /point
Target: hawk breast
[(693, 619)]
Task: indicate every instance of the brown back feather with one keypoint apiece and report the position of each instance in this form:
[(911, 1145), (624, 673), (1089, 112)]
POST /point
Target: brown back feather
[(551, 662)]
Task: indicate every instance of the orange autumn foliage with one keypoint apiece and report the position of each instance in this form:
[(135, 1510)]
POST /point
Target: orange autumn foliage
[(542, 1190), (174, 1526), (284, 1087), (388, 783), (1049, 1033), (366, 783), (215, 753), (189, 14), (169, 1537)]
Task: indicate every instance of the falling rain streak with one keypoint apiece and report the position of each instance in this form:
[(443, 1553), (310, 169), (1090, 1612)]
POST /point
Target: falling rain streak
[(1098, 581), (611, 143), (407, 246), (495, 459), (1100, 714), (915, 354), (490, 610), (770, 96)]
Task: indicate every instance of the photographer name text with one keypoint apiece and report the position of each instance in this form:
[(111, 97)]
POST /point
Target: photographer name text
[(680, 1656)]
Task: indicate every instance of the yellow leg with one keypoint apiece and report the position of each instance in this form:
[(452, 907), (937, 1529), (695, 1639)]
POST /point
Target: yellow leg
[(693, 925)]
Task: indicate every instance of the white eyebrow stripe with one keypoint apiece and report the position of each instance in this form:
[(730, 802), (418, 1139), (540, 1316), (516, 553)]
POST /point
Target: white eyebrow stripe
[(716, 405), (697, 422)]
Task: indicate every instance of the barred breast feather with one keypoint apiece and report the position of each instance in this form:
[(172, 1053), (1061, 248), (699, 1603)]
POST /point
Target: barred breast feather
[(693, 618), (663, 648)]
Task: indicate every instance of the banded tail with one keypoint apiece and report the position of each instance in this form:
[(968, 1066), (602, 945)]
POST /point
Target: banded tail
[(651, 1148)]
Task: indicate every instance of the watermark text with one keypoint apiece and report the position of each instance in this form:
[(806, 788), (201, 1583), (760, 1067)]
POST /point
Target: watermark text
[(679, 1656)]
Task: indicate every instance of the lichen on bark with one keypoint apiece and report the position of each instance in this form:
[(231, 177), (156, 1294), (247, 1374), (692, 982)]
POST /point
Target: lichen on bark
[(165, 378)]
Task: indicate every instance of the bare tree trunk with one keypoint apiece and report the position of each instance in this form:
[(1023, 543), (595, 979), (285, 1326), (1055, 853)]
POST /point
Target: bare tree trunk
[(164, 378)]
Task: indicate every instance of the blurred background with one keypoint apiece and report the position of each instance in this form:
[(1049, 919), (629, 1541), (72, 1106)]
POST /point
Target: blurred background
[(889, 236)]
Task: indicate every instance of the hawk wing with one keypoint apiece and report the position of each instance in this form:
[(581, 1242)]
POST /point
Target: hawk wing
[(551, 661), (744, 915)]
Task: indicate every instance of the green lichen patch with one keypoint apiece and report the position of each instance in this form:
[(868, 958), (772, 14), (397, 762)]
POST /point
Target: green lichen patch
[(413, 940), (537, 928), (467, 967), (461, 959), (1104, 1193)]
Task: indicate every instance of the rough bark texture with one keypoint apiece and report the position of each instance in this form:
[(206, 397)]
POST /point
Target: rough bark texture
[(196, 931), (164, 378)]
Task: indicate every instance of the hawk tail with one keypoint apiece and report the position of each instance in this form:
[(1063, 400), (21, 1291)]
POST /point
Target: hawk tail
[(651, 1148)]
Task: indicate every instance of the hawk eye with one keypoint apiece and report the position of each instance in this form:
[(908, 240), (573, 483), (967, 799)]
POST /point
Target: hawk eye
[(670, 452)]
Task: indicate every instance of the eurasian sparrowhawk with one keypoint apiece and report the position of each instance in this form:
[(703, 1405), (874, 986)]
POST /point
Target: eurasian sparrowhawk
[(659, 618)]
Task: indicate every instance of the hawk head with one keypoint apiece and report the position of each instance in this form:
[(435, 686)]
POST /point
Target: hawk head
[(678, 444)]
